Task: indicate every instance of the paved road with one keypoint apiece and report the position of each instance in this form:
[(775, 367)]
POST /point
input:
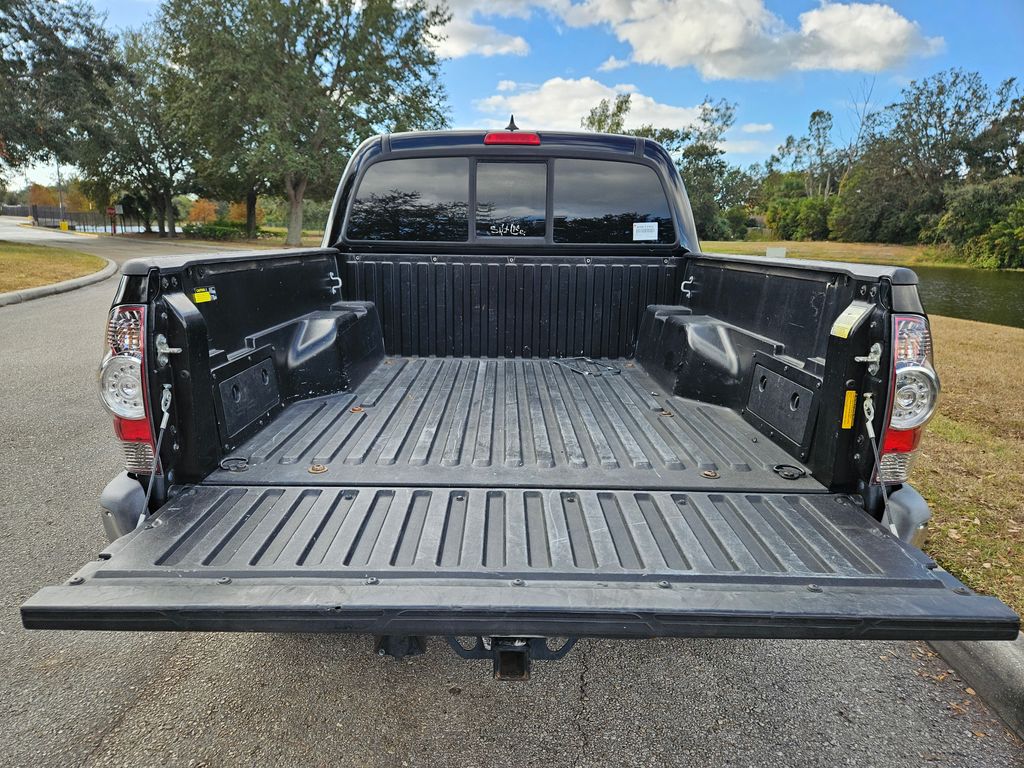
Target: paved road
[(120, 248), (75, 698)]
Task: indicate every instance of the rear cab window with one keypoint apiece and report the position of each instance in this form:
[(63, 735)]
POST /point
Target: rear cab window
[(551, 201)]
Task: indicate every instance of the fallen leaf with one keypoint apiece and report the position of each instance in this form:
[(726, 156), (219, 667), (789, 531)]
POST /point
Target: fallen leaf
[(971, 692), (986, 565), (980, 734), (953, 534)]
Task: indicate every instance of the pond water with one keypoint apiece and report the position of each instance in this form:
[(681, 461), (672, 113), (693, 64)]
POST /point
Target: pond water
[(989, 296)]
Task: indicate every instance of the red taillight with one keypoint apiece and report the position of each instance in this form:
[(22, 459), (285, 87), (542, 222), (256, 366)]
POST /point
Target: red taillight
[(901, 440), (512, 137), (914, 393), (133, 430), (123, 386)]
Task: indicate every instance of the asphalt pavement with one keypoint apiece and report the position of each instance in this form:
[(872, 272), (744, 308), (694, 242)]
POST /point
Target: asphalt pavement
[(139, 699), (118, 248)]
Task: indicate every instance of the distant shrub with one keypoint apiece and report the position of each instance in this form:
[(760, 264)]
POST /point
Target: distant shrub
[(216, 230), (783, 217), (812, 218), (972, 210), (1002, 246), (736, 218)]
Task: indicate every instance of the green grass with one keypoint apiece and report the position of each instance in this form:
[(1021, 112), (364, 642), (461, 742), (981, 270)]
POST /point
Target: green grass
[(865, 253), (29, 266)]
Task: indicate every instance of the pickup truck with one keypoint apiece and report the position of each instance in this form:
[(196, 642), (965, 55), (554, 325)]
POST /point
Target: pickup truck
[(510, 403)]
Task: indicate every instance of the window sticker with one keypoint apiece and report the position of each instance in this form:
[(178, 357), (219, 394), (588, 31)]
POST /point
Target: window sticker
[(645, 230)]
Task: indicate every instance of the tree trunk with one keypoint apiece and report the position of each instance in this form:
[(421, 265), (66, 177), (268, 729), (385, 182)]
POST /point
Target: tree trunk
[(169, 210), (250, 213), (295, 187), (158, 210)]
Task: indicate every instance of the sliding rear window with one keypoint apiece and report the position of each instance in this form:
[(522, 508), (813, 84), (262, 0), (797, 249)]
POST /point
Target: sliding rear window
[(601, 202), (547, 200), (425, 199)]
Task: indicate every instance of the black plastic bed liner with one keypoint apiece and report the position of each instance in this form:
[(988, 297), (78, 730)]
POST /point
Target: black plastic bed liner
[(513, 423), (517, 562)]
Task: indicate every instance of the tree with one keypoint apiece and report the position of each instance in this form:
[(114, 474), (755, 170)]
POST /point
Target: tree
[(54, 60), (40, 195), (311, 78), (919, 149), (712, 185), (140, 145), (203, 211)]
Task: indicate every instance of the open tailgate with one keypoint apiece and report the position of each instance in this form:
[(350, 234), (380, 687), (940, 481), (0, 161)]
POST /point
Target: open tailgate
[(517, 562)]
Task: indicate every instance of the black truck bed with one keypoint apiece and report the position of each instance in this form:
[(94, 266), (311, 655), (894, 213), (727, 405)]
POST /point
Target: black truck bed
[(467, 422)]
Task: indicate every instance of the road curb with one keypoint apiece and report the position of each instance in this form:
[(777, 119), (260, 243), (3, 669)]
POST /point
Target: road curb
[(995, 669), (27, 294)]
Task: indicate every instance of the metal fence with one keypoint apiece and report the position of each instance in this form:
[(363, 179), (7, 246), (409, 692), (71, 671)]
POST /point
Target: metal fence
[(84, 221), (14, 210)]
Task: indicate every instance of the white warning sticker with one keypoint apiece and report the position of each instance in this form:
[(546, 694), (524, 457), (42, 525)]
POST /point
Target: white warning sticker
[(645, 230)]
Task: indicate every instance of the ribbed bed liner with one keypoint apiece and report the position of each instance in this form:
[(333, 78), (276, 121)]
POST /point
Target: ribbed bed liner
[(552, 423)]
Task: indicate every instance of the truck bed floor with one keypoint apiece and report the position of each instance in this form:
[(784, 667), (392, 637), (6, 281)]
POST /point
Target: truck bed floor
[(546, 423)]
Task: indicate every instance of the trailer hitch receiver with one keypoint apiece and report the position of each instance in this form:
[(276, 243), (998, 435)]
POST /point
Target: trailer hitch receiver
[(512, 656)]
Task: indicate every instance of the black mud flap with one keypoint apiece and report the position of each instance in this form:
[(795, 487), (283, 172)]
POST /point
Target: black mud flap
[(518, 563)]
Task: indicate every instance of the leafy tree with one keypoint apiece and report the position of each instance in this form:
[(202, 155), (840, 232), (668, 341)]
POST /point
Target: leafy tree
[(999, 149), (40, 195), (203, 211), (304, 82), (918, 150), (971, 210), (54, 62), (140, 146), (712, 185)]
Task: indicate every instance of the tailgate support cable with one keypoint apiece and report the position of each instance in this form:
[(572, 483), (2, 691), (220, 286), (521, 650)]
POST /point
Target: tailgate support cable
[(165, 407), (869, 417)]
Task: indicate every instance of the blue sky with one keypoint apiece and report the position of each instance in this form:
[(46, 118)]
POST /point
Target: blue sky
[(550, 60)]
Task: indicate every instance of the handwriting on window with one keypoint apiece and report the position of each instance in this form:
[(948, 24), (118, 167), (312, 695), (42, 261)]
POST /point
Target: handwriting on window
[(507, 229)]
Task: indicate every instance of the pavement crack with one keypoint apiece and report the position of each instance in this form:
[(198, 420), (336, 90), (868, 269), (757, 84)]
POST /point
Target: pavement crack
[(580, 717)]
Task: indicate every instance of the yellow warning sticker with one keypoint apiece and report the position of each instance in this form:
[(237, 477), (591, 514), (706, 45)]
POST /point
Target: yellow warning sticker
[(849, 408), (850, 319), (202, 295)]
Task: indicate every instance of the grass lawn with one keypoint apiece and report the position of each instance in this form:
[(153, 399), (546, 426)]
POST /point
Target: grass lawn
[(867, 253), (971, 464), (28, 266)]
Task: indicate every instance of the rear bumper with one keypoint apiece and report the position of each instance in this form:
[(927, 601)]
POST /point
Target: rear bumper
[(910, 513)]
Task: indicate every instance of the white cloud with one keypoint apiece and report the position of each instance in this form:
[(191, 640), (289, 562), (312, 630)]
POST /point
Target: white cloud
[(466, 35), (743, 39), (719, 38), (859, 37), (463, 37), (611, 64), (746, 147), (507, 85), (757, 127), (560, 103)]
